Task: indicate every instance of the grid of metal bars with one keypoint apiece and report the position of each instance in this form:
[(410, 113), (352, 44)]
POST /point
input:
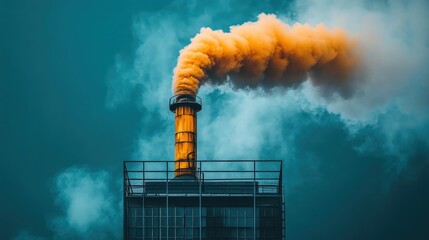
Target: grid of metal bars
[(252, 180)]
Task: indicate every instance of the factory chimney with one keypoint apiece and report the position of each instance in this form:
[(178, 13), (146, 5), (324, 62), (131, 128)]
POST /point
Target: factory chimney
[(185, 107)]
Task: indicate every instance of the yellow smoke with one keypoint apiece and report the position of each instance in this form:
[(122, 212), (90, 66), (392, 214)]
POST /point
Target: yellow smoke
[(265, 53)]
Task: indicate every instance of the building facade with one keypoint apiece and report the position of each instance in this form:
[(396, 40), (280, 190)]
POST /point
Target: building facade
[(221, 200)]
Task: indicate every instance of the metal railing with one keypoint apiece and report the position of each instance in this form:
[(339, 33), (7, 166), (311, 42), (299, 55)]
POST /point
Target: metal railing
[(237, 177)]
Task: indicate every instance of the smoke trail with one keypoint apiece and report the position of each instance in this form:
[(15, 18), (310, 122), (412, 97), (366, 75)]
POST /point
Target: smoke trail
[(266, 53), (90, 211)]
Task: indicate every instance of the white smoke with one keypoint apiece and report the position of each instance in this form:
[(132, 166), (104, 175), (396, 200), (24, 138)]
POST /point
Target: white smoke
[(89, 208)]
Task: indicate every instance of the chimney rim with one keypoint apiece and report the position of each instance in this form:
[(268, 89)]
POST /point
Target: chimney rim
[(190, 100)]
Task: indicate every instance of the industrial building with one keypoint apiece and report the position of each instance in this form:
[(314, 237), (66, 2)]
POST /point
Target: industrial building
[(205, 199)]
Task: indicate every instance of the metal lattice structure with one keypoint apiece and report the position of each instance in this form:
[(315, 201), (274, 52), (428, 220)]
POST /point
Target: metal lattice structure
[(228, 199)]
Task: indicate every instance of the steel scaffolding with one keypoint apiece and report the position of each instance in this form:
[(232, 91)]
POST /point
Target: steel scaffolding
[(228, 199)]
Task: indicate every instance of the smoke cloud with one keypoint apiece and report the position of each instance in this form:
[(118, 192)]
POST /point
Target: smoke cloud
[(267, 53), (90, 210)]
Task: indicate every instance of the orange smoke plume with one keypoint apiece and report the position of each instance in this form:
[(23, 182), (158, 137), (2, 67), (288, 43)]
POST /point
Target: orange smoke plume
[(266, 53)]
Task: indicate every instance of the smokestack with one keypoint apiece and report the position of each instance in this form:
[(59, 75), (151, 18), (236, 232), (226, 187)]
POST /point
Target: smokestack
[(185, 107)]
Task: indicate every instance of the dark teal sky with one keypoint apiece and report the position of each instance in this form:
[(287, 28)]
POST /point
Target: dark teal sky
[(84, 85)]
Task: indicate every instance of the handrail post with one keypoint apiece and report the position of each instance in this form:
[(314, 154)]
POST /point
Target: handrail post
[(143, 197), (280, 178), (124, 214), (200, 205), (166, 196), (254, 199)]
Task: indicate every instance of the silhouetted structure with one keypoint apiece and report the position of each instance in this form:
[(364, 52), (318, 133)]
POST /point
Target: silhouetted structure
[(220, 200)]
